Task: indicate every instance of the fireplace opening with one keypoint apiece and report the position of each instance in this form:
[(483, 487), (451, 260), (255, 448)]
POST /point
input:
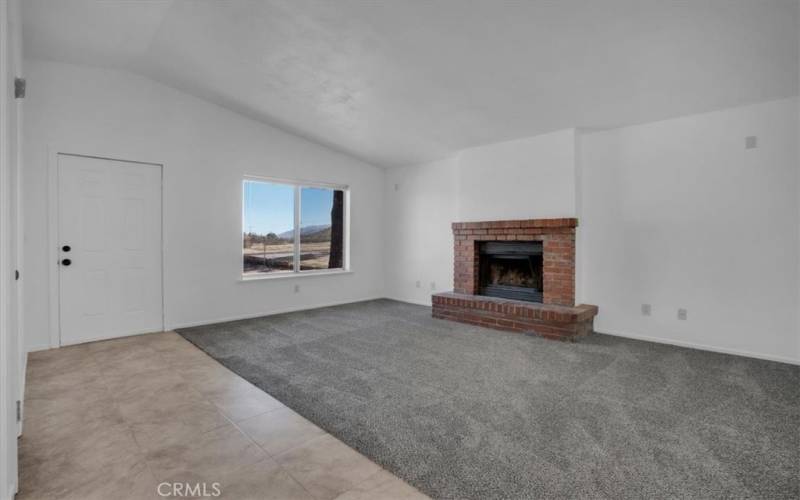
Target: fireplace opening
[(511, 270)]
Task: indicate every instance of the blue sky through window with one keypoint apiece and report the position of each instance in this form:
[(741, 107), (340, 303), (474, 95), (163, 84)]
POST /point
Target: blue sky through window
[(269, 208), (315, 206)]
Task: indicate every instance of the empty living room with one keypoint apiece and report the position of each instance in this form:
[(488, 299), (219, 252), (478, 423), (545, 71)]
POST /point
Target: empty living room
[(399, 249)]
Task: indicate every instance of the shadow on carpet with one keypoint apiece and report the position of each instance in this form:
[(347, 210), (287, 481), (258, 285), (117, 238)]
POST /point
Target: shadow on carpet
[(470, 413)]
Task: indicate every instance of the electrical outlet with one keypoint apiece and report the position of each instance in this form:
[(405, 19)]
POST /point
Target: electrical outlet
[(682, 314), (433, 285), (419, 284), (750, 142), (646, 309), (297, 289)]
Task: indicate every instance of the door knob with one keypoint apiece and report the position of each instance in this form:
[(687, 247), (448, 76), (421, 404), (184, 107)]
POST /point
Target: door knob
[(66, 262)]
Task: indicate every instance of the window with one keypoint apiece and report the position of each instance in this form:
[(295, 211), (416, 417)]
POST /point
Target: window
[(292, 227)]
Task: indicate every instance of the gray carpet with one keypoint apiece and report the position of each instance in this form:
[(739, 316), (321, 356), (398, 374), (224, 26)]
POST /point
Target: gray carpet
[(467, 412)]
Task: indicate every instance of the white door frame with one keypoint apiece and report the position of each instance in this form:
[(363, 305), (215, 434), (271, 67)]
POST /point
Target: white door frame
[(52, 233), (8, 379)]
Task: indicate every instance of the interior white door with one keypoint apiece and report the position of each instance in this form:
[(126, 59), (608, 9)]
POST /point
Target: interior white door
[(109, 238)]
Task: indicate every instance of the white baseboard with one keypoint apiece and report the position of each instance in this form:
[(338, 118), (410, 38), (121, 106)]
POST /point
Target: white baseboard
[(107, 337), (410, 301), (175, 326), (23, 373), (12, 490), (660, 340), (39, 347), (704, 347)]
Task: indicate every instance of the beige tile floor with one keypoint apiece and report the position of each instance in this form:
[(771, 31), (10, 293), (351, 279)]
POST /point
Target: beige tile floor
[(116, 419)]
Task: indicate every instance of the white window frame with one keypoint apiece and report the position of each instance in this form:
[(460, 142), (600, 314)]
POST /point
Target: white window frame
[(298, 185)]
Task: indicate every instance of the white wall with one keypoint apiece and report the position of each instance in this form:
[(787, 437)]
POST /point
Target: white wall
[(678, 214), (205, 151), (521, 179), (421, 203)]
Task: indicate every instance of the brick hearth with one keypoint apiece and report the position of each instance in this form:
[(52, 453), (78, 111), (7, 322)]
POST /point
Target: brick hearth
[(556, 317), (556, 322)]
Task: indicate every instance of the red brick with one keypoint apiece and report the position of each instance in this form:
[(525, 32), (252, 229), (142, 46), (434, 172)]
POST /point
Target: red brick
[(557, 235), (550, 321)]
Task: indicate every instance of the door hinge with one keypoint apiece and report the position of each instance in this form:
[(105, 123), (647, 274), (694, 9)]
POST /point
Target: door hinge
[(19, 411), (19, 88)]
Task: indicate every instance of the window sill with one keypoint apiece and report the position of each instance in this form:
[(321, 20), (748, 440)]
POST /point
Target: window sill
[(290, 275)]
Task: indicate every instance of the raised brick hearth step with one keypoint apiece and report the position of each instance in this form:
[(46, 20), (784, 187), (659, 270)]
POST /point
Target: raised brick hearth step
[(551, 321)]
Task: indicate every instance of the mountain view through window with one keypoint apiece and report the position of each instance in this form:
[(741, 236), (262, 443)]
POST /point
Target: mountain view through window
[(275, 213)]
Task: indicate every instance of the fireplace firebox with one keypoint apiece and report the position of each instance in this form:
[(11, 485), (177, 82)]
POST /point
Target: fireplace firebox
[(511, 270)]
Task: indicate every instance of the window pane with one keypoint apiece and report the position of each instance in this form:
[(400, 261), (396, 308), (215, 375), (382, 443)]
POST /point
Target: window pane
[(268, 238), (321, 228)]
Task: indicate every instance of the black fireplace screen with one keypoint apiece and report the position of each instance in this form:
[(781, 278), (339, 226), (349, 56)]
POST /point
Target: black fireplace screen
[(511, 269)]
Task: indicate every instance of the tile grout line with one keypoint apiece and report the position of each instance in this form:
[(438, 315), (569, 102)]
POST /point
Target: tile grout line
[(106, 389), (125, 420), (236, 424), (205, 399), (271, 457), (129, 425), (97, 363)]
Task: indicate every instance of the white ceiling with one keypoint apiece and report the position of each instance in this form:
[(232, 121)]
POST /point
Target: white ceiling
[(404, 81)]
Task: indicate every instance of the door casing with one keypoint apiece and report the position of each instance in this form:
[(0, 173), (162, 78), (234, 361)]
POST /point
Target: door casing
[(53, 243)]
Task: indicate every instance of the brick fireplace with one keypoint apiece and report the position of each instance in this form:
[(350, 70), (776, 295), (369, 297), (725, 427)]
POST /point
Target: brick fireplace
[(516, 275)]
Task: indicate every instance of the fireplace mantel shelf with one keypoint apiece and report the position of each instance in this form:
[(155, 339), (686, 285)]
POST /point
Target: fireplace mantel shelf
[(518, 224)]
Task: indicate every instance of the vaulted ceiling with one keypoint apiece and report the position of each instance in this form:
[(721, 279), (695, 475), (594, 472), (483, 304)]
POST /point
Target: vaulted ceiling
[(404, 81)]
